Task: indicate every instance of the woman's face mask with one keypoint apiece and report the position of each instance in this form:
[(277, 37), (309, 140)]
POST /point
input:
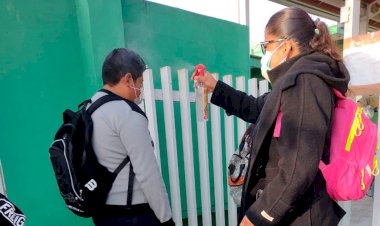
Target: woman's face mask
[(139, 98), (265, 62)]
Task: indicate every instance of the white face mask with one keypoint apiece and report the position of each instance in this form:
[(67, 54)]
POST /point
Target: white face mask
[(265, 62), (140, 98)]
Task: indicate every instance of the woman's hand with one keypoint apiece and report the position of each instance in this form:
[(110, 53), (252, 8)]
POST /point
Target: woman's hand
[(207, 81), (246, 222)]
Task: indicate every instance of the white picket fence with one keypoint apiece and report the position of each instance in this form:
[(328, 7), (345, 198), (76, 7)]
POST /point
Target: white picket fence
[(186, 97)]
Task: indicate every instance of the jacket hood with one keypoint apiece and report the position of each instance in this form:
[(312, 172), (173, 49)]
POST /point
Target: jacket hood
[(333, 72)]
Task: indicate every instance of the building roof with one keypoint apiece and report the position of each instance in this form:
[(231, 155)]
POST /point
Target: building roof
[(331, 9)]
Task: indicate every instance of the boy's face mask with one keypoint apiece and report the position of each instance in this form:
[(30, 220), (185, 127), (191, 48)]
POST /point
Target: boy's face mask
[(139, 98)]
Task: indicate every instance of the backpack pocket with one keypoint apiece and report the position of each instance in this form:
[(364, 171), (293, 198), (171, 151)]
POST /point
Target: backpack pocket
[(65, 176), (347, 181)]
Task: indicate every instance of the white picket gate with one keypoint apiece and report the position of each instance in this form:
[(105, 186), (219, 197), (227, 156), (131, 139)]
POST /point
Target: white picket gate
[(186, 97)]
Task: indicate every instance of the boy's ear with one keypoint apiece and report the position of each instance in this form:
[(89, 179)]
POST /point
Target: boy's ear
[(127, 78)]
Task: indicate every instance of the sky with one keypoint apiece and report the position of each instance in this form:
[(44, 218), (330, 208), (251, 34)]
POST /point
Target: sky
[(260, 12)]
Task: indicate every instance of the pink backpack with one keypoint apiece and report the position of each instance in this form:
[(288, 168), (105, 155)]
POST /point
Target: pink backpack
[(353, 163)]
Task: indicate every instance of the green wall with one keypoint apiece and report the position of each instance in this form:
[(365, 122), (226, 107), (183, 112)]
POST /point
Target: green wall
[(50, 59), (41, 74), (168, 36), (51, 54)]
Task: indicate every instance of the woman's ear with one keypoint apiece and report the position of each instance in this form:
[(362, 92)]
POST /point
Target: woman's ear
[(293, 49), (288, 46)]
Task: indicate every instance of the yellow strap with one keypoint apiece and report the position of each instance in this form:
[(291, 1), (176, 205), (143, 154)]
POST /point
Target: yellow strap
[(360, 126), (357, 124), (362, 181), (375, 170)]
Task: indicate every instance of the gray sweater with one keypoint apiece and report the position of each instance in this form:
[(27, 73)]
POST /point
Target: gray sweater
[(119, 131)]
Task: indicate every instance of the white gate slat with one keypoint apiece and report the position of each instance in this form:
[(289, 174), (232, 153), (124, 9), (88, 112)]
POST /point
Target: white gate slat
[(230, 148), (150, 110), (204, 168), (204, 173), (263, 87), (252, 87), (171, 144), (241, 125), (188, 150), (376, 195), (218, 162), (3, 190)]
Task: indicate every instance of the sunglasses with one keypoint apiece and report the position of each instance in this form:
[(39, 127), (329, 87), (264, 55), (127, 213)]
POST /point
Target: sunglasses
[(265, 44)]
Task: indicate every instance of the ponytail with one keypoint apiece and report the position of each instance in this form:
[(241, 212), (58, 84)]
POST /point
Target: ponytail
[(322, 41)]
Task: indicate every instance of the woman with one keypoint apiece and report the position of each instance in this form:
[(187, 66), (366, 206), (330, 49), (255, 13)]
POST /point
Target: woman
[(284, 185)]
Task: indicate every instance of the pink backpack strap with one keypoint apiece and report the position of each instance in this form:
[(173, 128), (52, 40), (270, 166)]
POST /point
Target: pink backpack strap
[(322, 165), (338, 94), (277, 128)]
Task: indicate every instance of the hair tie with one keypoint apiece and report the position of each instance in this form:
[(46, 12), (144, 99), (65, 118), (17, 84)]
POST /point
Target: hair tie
[(316, 22)]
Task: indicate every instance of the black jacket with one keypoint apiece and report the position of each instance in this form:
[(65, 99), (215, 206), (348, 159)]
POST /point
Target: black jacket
[(283, 185)]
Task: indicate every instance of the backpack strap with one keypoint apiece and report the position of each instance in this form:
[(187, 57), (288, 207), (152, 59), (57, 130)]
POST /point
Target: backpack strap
[(326, 154), (93, 107), (277, 128), (121, 166), (131, 104), (242, 166), (102, 100), (338, 94), (99, 102), (84, 103), (111, 97), (131, 179)]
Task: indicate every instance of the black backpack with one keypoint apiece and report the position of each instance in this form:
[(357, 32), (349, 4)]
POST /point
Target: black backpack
[(83, 182)]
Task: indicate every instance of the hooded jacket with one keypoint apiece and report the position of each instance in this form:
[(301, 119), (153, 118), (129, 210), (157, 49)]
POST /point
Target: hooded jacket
[(283, 185)]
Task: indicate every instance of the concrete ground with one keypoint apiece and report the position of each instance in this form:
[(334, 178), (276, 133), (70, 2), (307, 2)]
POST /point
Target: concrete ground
[(361, 212)]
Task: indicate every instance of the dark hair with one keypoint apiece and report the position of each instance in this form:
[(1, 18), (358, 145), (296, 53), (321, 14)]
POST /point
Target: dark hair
[(120, 62), (294, 23)]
